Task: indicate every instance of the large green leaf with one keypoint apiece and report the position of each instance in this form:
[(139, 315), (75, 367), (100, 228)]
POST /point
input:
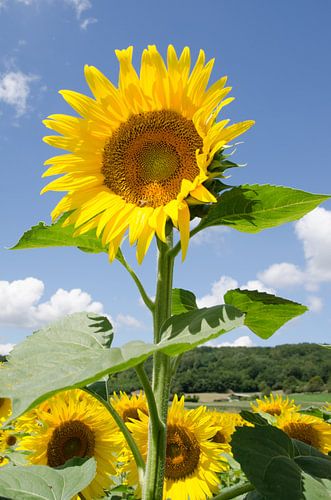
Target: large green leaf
[(183, 301), (264, 313), (315, 489), (265, 454), (44, 483), (185, 331), (43, 236), (73, 352), (252, 208)]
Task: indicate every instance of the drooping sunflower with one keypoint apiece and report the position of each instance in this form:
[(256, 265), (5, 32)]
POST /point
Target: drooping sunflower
[(274, 405), (127, 406), (140, 151), (74, 424), (311, 430), (192, 460), (225, 425)]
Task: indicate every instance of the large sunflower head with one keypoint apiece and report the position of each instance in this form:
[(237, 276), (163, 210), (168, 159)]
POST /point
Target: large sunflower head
[(129, 407), (311, 430), (192, 460), (141, 150), (274, 405), (74, 424)]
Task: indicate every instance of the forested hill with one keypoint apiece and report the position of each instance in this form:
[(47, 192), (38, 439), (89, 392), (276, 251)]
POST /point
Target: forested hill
[(291, 367)]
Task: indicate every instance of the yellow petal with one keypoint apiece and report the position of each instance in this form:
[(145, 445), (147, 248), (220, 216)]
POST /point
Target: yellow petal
[(202, 194), (143, 243)]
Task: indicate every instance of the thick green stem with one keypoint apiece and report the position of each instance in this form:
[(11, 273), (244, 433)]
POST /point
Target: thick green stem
[(234, 491), (155, 467)]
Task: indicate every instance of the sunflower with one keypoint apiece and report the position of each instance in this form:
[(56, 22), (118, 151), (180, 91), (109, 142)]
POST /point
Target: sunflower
[(5, 408), (192, 460), (127, 406), (8, 439), (225, 425), (274, 405), (139, 152), (311, 430), (74, 424)]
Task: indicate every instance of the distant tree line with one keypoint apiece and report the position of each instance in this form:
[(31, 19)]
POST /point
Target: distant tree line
[(290, 367)]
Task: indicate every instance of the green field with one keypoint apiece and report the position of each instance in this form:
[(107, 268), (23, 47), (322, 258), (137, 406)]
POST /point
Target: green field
[(303, 399)]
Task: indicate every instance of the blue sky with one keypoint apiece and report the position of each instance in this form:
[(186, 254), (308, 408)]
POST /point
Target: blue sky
[(276, 55)]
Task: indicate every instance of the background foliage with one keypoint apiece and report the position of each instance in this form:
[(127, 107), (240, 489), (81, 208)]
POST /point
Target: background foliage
[(291, 367)]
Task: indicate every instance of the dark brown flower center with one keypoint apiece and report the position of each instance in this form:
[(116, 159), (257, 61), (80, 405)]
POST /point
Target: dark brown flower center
[(273, 411), (304, 432), (219, 437), (11, 440), (2, 402), (71, 439), (149, 155), (183, 453), (132, 413)]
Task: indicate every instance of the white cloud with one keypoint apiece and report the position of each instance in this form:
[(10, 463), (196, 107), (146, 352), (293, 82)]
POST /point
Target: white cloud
[(15, 90), (218, 289), (6, 348), (80, 6), (127, 320), (314, 230), (26, 2), (225, 283), (20, 303), (315, 304), (244, 341), (86, 22), (282, 275), (257, 285)]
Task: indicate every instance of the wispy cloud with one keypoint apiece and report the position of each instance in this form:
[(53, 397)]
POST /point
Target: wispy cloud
[(86, 22), (15, 90)]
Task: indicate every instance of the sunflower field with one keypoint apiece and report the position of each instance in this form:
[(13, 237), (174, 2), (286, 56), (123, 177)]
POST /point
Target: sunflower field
[(143, 160)]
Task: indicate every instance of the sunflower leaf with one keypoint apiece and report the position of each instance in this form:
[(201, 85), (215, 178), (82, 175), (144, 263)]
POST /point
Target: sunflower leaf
[(44, 483), (314, 489), (252, 208), (183, 301), (73, 352), (265, 454), (54, 235), (264, 313), (185, 331)]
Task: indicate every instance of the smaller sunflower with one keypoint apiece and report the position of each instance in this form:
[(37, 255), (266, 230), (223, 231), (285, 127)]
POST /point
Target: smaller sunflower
[(8, 439), (192, 460), (5, 408), (74, 424), (274, 405), (311, 430), (128, 407), (225, 424)]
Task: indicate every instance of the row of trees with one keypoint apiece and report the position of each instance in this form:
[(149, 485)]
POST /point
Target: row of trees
[(290, 367)]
